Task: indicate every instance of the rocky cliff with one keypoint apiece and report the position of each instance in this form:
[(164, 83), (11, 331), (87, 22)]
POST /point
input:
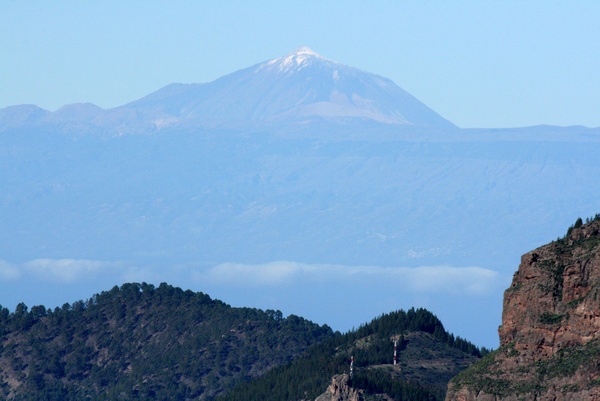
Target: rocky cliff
[(550, 332)]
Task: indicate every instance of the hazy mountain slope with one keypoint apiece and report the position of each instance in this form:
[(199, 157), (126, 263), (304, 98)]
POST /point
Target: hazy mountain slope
[(342, 187), (220, 195), (142, 342)]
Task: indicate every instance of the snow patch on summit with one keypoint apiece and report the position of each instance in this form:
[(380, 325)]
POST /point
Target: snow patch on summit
[(305, 50), (296, 60)]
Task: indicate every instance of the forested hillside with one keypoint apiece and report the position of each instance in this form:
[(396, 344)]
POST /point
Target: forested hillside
[(143, 342), (428, 357), (138, 341)]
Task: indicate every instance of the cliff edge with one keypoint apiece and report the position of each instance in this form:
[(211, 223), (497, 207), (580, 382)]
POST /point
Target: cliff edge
[(550, 332)]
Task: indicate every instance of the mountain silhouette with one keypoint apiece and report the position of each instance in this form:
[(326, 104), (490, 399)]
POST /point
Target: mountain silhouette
[(297, 88)]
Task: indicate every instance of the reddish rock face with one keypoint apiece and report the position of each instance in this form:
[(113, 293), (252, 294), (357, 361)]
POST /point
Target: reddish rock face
[(550, 333), (553, 301), (339, 390)]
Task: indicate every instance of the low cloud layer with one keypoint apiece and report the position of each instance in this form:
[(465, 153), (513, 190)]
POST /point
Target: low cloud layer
[(66, 270), (435, 279), (8, 272), (469, 280)]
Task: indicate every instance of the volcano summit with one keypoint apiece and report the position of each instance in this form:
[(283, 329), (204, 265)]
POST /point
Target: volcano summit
[(297, 88)]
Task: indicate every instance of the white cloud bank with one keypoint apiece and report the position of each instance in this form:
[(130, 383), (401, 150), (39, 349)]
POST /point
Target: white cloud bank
[(75, 271), (469, 280), (65, 270), (8, 271), (425, 279)]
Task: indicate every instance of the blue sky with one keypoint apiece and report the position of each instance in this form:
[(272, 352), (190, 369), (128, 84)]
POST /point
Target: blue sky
[(478, 64)]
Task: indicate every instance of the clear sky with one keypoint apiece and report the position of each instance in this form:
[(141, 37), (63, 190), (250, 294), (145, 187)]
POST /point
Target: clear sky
[(477, 63)]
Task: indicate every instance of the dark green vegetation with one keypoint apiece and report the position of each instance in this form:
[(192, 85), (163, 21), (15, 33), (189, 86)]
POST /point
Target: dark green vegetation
[(490, 376), (428, 357), (138, 341), (144, 342), (579, 222)]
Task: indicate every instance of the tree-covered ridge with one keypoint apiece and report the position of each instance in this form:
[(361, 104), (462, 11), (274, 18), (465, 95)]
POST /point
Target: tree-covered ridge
[(578, 223), (421, 340), (420, 319), (138, 341)]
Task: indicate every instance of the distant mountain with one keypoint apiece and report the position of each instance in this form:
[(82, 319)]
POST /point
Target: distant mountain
[(144, 342), (296, 159), (298, 88)]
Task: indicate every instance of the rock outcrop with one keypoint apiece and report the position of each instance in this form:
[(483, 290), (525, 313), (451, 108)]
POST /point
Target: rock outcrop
[(550, 333), (340, 390)]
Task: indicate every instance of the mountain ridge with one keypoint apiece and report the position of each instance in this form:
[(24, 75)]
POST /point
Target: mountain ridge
[(299, 87), (427, 358), (139, 341)]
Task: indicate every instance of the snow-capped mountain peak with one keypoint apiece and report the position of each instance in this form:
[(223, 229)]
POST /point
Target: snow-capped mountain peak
[(298, 88), (306, 50), (298, 59)]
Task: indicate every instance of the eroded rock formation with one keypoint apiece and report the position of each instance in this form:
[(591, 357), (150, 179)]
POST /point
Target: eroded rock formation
[(550, 333), (339, 390)]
